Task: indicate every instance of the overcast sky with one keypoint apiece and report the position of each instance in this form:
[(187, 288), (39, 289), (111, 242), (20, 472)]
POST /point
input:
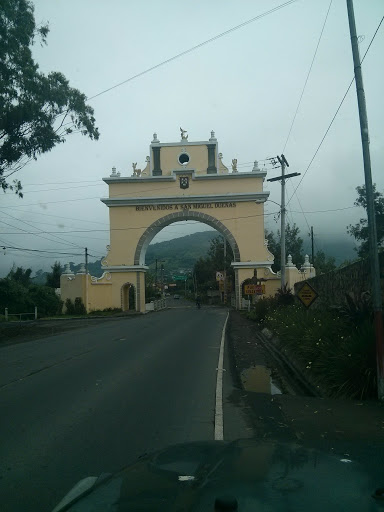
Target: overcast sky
[(245, 86)]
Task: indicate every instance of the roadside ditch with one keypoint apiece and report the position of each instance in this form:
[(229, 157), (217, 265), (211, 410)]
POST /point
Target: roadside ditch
[(284, 405)]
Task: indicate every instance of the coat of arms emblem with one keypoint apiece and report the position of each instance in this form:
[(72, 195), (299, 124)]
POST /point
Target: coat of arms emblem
[(184, 182)]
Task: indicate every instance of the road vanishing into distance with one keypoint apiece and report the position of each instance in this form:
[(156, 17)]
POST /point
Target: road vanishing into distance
[(94, 399)]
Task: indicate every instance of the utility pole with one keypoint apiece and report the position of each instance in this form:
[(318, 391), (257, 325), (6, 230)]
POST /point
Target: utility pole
[(86, 279), (156, 276), (162, 280), (372, 233), (283, 163), (225, 270), (313, 252)]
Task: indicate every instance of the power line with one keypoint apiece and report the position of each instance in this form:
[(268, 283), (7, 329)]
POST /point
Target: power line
[(136, 227), (185, 52), (196, 222), (330, 210), (61, 240), (309, 72), (334, 117), (41, 251), (28, 224)]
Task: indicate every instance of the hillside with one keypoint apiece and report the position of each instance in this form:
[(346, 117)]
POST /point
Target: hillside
[(180, 254)]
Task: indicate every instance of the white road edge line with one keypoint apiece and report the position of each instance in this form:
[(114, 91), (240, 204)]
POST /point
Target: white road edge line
[(219, 418)]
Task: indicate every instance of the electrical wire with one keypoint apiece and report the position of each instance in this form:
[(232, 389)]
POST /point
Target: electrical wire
[(334, 117), (41, 251), (309, 72), (193, 48)]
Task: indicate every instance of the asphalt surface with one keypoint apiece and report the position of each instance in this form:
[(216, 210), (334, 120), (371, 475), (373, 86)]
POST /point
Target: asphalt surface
[(92, 400)]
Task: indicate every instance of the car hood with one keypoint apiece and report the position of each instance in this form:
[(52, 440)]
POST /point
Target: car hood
[(259, 475)]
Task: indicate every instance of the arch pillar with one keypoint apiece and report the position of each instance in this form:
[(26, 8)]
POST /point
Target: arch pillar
[(122, 276)]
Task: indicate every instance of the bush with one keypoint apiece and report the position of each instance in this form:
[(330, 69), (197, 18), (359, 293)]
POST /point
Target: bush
[(337, 354), (19, 298), (106, 311), (262, 308), (284, 296), (75, 308)]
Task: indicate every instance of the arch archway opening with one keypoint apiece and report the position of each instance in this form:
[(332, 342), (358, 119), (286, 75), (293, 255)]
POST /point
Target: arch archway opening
[(128, 297), (149, 234), (188, 259)]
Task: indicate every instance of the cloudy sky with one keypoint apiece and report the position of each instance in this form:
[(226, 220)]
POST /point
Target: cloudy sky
[(245, 85)]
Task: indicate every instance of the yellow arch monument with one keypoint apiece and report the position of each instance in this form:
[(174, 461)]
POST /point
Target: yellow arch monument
[(181, 181)]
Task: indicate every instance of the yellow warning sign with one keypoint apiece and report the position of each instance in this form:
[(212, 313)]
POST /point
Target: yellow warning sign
[(307, 295)]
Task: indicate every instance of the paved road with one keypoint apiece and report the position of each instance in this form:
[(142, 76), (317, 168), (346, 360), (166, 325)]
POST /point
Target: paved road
[(92, 400)]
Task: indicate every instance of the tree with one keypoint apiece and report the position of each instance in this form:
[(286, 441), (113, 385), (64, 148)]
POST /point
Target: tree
[(324, 263), (293, 246), (53, 278), (205, 268), (37, 111), (360, 231), (19, 275), (20, 296)]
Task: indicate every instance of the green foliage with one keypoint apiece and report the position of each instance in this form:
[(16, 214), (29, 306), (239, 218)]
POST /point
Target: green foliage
[(179, 253), (360, 231), (323, 263), (205, 268), (69, 307), (53, 278), (20, 275), (75, 308), (37, 111), (105, 312), (263, 307), (21, 297), (293, 246), (337, 354), (356, 310), (284, 296)]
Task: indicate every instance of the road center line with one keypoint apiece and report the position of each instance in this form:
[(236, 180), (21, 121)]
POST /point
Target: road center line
[(219, 419)]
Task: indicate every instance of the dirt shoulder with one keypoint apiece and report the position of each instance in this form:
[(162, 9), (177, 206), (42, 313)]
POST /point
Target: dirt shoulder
[(285, 416)]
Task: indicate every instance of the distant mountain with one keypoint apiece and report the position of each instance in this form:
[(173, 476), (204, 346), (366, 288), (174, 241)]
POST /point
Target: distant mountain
[(180, 254)]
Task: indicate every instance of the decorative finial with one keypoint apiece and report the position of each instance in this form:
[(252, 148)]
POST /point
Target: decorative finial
[(184, 134), (306, 262), (113, 172), (221, 156), (81, 269), (118, 174), (234, 164), (256, 166), (213, 138), (155, 139), (147, 159), (67, 269), (289, 261)]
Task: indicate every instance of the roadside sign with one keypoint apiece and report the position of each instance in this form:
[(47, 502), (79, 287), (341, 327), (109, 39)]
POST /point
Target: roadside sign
[(307, 295), (254, 289), (179, 278)]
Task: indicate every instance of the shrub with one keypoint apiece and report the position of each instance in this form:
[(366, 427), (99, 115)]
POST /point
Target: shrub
[(69, 307), (284, 296), (339, 355)]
